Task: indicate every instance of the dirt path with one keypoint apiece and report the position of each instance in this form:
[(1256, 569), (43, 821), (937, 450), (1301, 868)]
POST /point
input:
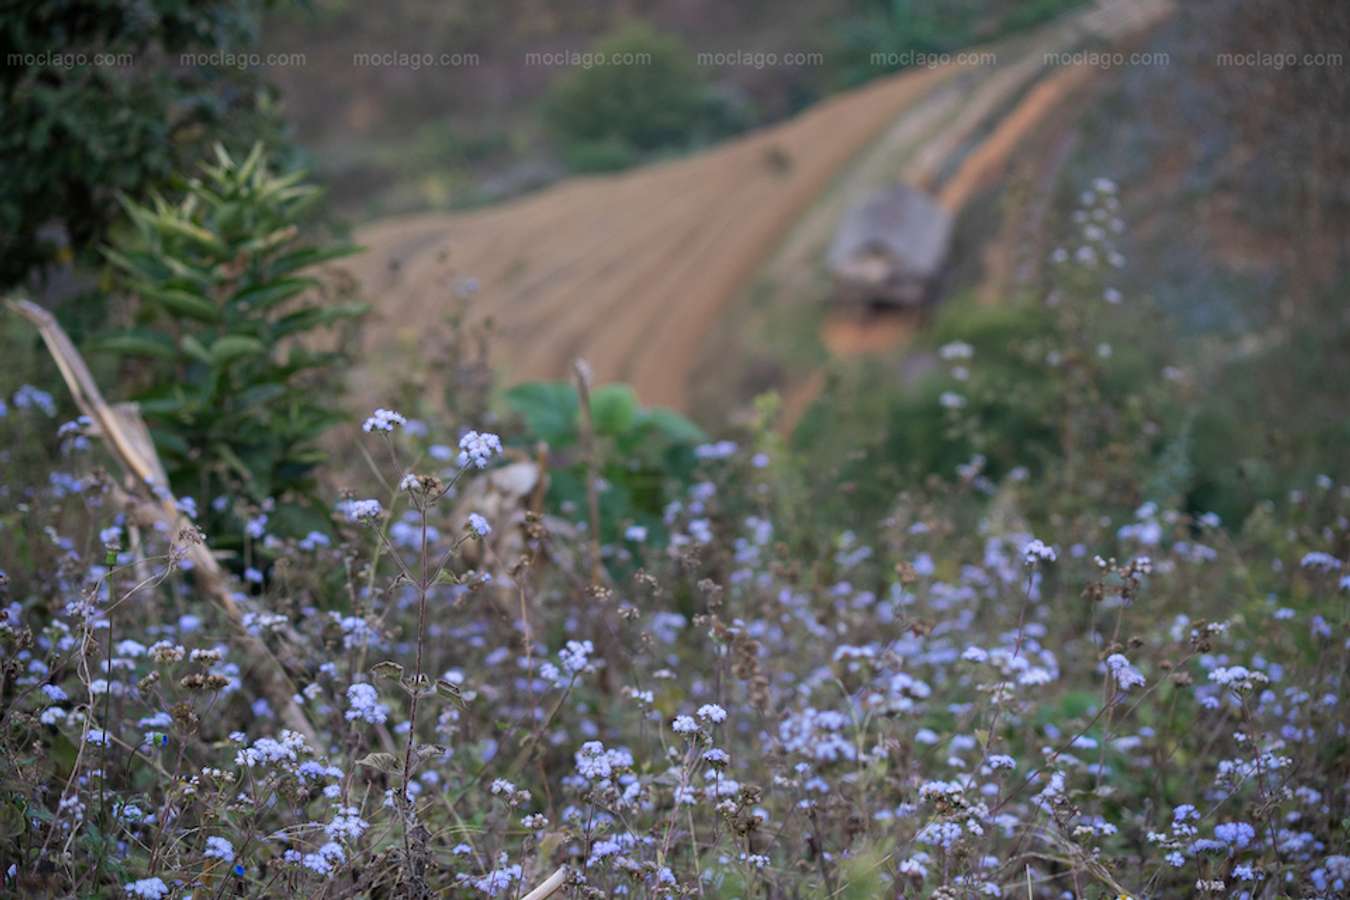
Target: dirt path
[(635, 271)]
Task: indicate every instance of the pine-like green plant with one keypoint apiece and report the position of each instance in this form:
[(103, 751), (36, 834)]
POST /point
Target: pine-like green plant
[(234, 381)]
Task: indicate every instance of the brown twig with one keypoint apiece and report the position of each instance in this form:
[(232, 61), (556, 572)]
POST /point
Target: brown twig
[(125, 434), (583, 379), (551, 885)]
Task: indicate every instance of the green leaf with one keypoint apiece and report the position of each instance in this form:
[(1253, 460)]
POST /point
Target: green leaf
[(549, 409), (265, 296), (180, 227), (614, 408), (673, 425), (226, 453), (251, 163), (165, 405), (310, 256), (299, 519), (266, 243), (137, 342), (184, 303), (235, 346), (314, 316), (195, 348)]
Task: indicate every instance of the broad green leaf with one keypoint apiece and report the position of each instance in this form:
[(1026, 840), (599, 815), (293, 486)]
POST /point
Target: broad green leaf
[(614, 408), (673, 425), (549, 408)]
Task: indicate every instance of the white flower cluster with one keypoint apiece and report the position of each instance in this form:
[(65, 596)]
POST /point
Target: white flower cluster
[(347, 824), (496, 882), (956, 350), (719, 450), (477, 449), (323, 861), (219, 848), (576, 655), (363, 704), (1126, 675), (267, 751), (711, 712), (1239, 678), (1322, 562), (148, 888), (361, 510), (383, 420), (596, 763), (1037, 551)]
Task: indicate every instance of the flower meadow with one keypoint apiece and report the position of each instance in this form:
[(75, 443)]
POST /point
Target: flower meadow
[(1036, 680), (958, 708)]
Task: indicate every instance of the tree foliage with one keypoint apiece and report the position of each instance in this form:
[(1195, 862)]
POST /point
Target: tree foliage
[(102, 99), (641, 90)]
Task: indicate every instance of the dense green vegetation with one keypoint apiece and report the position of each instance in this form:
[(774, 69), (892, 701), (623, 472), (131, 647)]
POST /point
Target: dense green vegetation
[(889, 35), (645, 457), (639, 92), (107, 98)]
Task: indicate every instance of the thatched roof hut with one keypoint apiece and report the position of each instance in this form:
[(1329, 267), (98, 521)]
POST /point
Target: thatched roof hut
[(890, 248)]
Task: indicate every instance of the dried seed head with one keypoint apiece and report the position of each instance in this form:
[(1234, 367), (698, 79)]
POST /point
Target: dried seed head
[(203, 682)]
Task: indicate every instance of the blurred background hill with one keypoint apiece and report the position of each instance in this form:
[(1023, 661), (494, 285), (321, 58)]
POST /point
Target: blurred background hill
[(393, 138)]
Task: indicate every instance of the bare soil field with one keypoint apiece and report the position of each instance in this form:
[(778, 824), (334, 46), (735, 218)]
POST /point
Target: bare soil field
[(635, 272)]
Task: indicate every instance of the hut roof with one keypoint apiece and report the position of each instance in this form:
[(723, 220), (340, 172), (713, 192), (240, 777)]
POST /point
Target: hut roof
[(898, 222)]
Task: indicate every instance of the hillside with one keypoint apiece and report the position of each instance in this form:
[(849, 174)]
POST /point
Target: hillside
[(633, 272), (414, 132)]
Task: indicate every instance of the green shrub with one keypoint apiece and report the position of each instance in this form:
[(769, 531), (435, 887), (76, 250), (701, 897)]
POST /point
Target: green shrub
[(643, 454), (900, 433), (1274, 416), (234, 383), (608, 155), (656, 100), (881, 36)]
